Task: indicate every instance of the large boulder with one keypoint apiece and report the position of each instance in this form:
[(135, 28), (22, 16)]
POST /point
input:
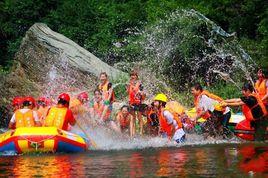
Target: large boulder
[(57, 63), (49, 63)]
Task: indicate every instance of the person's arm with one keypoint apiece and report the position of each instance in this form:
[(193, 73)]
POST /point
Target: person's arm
[(12, 122), (71, 118), (233, 102), (118, 121)]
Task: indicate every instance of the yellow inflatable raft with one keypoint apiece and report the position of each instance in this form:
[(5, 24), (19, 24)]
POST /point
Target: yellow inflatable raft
[(41, 139)]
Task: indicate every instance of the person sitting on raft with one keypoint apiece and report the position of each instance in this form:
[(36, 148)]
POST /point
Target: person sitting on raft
[(60, 115), (253, 109), (152, 120), (169, 127), (125, 120), (25, 117), (78, 104), (43, 106), (261, 86), (208, 107)]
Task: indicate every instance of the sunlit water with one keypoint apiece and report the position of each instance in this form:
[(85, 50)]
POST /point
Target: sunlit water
[(220, 160)]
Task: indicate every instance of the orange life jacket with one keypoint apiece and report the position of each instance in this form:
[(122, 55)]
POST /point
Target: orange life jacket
[(261, 88), (98, 110), (133, 90), (24, 119), (208, 94), (106, 93), (164, 126), (56, 117), (123, 121), (247, 110), (42, 112)]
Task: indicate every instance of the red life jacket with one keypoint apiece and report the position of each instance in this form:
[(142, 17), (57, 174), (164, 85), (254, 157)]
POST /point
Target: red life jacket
[(124, 121), (133, 90), (247, 111)]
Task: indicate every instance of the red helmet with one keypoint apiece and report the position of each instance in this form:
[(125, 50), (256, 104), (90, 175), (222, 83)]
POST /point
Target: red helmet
[(30, 99), (42, 99), (64, 96), (83, 95), (17, 101)]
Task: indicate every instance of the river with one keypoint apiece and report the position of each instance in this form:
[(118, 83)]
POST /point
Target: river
[(209, 160)]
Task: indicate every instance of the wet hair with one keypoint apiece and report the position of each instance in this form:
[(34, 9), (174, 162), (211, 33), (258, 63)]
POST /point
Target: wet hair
[(133, 73), (63, 102), (248, 87), (103, 73), (97, 90), (26, 103), (264, 72), (197, 86), (125, 106)]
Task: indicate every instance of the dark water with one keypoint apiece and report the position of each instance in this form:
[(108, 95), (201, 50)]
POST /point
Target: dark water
[(223, 160)]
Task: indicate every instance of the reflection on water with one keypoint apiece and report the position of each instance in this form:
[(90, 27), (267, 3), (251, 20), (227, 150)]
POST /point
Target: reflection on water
[(206, 161)]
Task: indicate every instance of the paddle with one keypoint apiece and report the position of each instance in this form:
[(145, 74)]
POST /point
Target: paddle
[(88, 136)]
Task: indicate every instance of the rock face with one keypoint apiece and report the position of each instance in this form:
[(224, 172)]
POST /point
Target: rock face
[(52, 60), (49, 63)]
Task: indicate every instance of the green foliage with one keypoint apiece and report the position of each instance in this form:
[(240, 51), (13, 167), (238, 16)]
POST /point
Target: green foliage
[(97, 24)]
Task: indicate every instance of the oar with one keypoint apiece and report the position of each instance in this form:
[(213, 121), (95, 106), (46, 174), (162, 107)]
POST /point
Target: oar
[(91, 140)]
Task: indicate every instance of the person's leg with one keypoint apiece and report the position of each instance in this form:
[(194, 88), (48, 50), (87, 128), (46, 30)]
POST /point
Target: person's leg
[(139, 115)]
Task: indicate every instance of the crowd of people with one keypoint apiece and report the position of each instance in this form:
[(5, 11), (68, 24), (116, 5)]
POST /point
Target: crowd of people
[(160, 118)]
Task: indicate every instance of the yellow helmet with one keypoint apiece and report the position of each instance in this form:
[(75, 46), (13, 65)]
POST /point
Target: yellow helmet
[(161, 97), (218, 107)]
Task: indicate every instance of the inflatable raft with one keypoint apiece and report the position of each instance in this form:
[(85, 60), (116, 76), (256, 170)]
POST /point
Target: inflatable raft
[(41, 139)]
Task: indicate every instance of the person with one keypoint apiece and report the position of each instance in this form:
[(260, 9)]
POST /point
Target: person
[(42, 108), (78, 104), (208, 107), (107, 92), (253, 109), (97, 106), (168, 125), (261, 86), (60, 115), (136, 97), (125, 120), (25, 117), (152, 120)]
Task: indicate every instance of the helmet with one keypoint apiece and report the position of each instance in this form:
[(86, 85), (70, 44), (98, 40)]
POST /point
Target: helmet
[(83, 95), (17, 101), (30, 99), (42, 99), (64, 96), (161, 97), (219, 107)]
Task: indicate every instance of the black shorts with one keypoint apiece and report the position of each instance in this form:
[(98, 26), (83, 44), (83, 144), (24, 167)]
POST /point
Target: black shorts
[(138, 107)]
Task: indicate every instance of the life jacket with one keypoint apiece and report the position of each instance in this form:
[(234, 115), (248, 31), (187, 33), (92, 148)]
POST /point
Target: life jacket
[(176, 110), (106, 93), (247, 111), (208, 94), (152, 122), (98, 110), (77, 107), (42, 112), (56, 117), (24, 119), (261, 88), (123, 121), (133, 90), (164, 126)]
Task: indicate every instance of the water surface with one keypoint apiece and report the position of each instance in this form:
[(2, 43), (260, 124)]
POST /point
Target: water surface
[(217, 160)]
